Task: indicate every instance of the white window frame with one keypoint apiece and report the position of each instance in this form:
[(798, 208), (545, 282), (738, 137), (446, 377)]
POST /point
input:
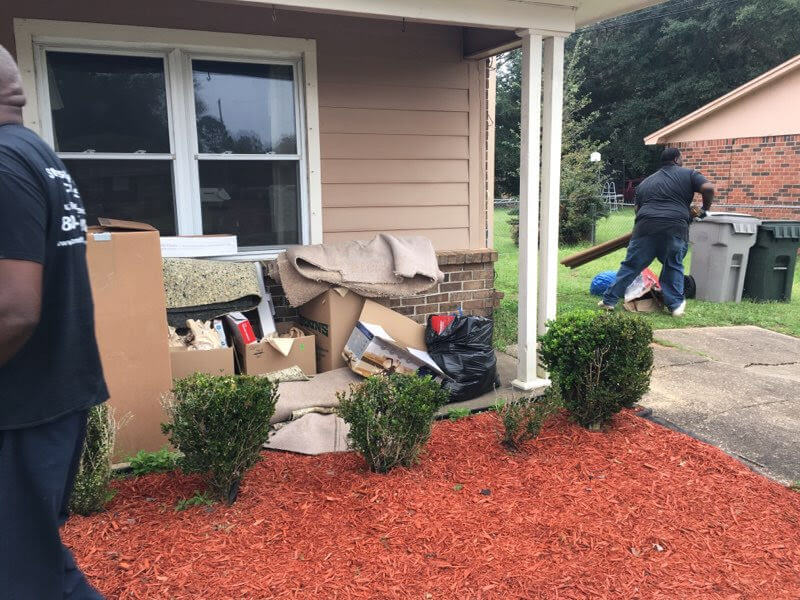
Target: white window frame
[(178, 47)]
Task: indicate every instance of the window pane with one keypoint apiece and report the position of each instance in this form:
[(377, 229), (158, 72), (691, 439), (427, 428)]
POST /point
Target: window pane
[(134, 190), (107, 103), (244, 108), (256, 200)]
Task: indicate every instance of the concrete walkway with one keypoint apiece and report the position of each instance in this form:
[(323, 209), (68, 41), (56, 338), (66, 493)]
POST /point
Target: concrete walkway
[(735, 387)]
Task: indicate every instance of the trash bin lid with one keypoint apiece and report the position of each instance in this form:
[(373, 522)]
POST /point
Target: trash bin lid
[(741, 223), (783, 230)]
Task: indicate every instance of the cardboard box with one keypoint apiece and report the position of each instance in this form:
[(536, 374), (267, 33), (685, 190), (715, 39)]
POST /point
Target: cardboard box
[(385, 341), (124, 260), (187, 362), (260, 358), (331, 317), (197, 246), (646, 304)]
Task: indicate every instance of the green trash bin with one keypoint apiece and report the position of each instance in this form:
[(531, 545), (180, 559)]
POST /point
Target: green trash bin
[(770, 269)]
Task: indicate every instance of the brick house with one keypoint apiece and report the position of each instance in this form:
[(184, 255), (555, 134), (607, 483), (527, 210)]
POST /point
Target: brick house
[(748, 143)]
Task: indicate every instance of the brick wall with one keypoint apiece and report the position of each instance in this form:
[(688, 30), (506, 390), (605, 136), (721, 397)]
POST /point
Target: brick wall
[(468, 284), (758, 176)]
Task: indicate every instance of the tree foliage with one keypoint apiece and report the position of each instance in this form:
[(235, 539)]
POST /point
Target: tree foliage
[(649, 68), (581, 180), (646, 69)]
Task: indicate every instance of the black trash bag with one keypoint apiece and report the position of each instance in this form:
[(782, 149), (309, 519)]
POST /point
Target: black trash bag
[(464, 352), (689, 286)]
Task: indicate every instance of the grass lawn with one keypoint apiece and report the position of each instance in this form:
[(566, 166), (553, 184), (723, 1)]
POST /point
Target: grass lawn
[(573, 289)]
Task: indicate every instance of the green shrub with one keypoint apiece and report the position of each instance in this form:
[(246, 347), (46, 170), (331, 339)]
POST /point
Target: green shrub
[(144, 463), (601, 362), (219, 423), (391, 417), (523, 419), (456, 414), (91, 491), (199, 499)]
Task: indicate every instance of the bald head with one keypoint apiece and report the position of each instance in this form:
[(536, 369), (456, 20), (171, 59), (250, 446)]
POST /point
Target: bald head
[(12, 98)]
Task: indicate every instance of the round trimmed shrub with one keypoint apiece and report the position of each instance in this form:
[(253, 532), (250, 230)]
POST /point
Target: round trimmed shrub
[(601, 361), (219, 424), (391, 417)]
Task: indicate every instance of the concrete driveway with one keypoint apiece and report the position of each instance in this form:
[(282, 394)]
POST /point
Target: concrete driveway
[(735, 387)]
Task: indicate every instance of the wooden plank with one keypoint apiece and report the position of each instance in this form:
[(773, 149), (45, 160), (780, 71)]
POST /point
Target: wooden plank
[(344, 95), (380, 71), (356, 120), (443, 239), (367, 145), (394, 171), (394, 194), (390, 218)]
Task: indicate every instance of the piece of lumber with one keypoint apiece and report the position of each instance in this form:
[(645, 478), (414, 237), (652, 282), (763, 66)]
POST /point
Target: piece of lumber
[(595, 252)]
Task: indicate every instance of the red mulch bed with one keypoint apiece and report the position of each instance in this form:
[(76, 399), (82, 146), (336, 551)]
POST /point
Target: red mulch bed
[(637, 512)]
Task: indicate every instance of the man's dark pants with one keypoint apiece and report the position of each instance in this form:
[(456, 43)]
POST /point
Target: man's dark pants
[(37, 471), (669, 249)]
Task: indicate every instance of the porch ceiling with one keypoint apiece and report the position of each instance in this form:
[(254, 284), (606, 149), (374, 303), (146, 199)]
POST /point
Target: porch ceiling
[(556, 15)]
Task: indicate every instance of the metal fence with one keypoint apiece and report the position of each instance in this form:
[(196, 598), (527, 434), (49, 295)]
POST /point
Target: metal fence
[(618, 222), (506, 202)]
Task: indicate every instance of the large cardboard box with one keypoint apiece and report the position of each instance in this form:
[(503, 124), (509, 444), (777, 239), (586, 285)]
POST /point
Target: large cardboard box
[(384, 341), (331, 317), (260, 358), (124, 261), (187, 362)]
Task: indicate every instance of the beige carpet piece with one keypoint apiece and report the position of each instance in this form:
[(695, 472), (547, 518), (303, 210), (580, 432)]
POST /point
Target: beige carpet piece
[(383, 267), (313, 433), (318, 392), (289, 374)]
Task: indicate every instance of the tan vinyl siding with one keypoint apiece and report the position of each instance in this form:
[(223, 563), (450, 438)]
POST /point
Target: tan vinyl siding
[(393, 218), (393, 97), (395, 194), (374, 146), (444, 238), (401, 116)]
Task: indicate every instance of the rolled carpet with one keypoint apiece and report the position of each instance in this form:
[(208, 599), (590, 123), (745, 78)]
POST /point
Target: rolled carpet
[(206, 289)]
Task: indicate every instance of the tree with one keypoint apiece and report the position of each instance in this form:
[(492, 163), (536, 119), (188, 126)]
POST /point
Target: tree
[(581, 180), (649, 68), (506, 124)]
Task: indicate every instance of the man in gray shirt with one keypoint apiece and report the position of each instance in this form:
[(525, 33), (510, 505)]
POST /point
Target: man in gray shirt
[(663, 213)]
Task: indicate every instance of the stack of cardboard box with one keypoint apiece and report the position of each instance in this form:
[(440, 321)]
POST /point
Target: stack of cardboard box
[(341, 329)]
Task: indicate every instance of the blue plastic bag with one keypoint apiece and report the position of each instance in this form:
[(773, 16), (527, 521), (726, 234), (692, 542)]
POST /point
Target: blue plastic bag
[(601, 282)]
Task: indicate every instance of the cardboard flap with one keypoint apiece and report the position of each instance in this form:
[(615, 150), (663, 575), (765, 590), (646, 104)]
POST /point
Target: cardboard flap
[(376, 331), (119, 224), (282, 345), (402, 330)]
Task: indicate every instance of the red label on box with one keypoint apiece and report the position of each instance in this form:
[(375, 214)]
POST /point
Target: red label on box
[(246, 331)]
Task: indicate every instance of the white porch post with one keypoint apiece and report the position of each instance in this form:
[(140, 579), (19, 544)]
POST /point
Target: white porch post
[(553, 99), (530, 139)]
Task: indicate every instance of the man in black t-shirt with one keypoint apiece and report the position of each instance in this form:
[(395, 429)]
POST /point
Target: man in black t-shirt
[(661, 230), (50, 373)]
